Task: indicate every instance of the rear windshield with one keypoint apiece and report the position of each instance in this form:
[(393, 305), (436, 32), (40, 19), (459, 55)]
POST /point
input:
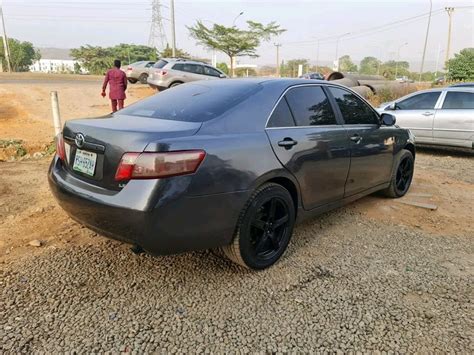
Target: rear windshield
[(192, 102), (160, 64)]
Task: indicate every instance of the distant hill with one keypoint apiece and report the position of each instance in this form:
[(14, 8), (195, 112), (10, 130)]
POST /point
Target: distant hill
[(55, 53)]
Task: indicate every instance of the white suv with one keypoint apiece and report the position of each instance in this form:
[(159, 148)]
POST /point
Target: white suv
[(169, 72)]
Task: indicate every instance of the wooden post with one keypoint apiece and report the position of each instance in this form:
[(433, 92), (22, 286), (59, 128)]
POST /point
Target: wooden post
[(56, 116)]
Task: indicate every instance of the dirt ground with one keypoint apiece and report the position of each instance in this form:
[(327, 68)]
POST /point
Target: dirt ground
[(368, 241), (25, 110)]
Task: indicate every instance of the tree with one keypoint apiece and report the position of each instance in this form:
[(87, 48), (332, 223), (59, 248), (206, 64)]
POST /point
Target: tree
[(233, 41), (98, 59), (168, 53), (461, 67), (392, 67), (223, 67), (290, 68), (244, 72), (369, 65), (95, 59), (77, 68), (22, 54), (346, 64), (130, 53)]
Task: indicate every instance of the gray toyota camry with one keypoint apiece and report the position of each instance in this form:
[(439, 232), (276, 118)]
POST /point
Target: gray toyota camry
[(227, 164)]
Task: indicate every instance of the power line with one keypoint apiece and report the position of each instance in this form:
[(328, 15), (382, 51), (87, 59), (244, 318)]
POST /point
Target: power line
[(371, 30)]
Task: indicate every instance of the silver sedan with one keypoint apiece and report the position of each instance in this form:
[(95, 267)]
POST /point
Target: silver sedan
[(438, 116)]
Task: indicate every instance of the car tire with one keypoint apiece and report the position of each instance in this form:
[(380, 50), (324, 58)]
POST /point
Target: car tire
[(264, 228), (402, 175), (132, 80), (176, 83), (143, 78)]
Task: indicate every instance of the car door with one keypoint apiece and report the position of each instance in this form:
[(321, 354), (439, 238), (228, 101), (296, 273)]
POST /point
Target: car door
[(371, 144), (417, 114), (454, 119), (184, 72), (198, 72), (309, 141)]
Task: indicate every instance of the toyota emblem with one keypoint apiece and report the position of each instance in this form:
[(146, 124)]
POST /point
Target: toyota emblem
[(79, 140)]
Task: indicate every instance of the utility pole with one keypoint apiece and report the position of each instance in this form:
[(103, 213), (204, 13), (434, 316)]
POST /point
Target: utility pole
[(5, 42), (173, 30), (398, 58), (437, 60), (426, 40), (337, 48), (317, 57), (450, 11), (278, 45)]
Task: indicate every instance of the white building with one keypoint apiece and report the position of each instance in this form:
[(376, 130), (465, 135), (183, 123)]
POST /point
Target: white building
[(53, 66)]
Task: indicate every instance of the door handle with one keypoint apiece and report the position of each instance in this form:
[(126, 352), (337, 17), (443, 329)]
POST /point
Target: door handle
[(428, 114), (356, 138), (287, 143)]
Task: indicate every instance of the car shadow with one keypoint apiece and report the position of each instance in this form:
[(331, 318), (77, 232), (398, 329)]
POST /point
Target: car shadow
[(444, 151)]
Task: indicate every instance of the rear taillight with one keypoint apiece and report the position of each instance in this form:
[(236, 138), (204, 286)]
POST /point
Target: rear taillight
[(158, 165), (129, 68), (161, 72), (60, 149)]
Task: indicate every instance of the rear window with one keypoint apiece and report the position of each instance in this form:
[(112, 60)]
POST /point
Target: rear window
[(160, 64), (192, 102)]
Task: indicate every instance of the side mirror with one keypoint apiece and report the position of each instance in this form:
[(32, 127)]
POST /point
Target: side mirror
[(387, 119)]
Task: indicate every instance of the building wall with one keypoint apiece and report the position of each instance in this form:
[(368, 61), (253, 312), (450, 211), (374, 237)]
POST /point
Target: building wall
[(53, 66)]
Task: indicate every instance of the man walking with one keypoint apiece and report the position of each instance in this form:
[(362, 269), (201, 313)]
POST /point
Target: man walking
[(117, 81)]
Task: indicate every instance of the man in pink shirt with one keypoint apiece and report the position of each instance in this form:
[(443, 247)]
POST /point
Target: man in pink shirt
[(117, 81)]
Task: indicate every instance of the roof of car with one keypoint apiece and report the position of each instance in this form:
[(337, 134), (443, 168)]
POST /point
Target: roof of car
[(184, 60), (471, 84)]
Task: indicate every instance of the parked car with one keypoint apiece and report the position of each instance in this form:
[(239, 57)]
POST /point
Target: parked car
[(170, 72), (316, 76), (402, 79), (440, 80), (228, 164), (437, 116), (138, 71), (463, 85)]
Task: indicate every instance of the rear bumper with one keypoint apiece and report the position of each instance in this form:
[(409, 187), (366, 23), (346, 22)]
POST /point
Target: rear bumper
[(158, 84), (157, 216)]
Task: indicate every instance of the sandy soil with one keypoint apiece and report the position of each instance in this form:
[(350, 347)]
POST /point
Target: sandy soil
[(25, 110)]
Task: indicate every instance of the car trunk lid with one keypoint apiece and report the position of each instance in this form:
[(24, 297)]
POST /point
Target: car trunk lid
[(105, 139)]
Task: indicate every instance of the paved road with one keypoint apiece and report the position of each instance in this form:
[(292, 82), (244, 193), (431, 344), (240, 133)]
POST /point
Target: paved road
[(48, 81)]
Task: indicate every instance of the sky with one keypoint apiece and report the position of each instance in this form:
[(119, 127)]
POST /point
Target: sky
[(360, 25)]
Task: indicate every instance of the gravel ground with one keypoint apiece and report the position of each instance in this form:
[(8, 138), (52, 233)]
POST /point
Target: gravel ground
[(347, 283)]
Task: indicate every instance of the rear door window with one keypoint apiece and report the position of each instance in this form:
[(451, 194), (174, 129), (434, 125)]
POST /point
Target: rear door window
[(281, 116), (160, 64), (197, 69), (310, 106), (424, 101), (458, 100), (353, 109), (211, 71)]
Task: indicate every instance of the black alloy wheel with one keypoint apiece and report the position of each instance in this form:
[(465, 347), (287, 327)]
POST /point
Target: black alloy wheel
[(404, 175), (264, 228)]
